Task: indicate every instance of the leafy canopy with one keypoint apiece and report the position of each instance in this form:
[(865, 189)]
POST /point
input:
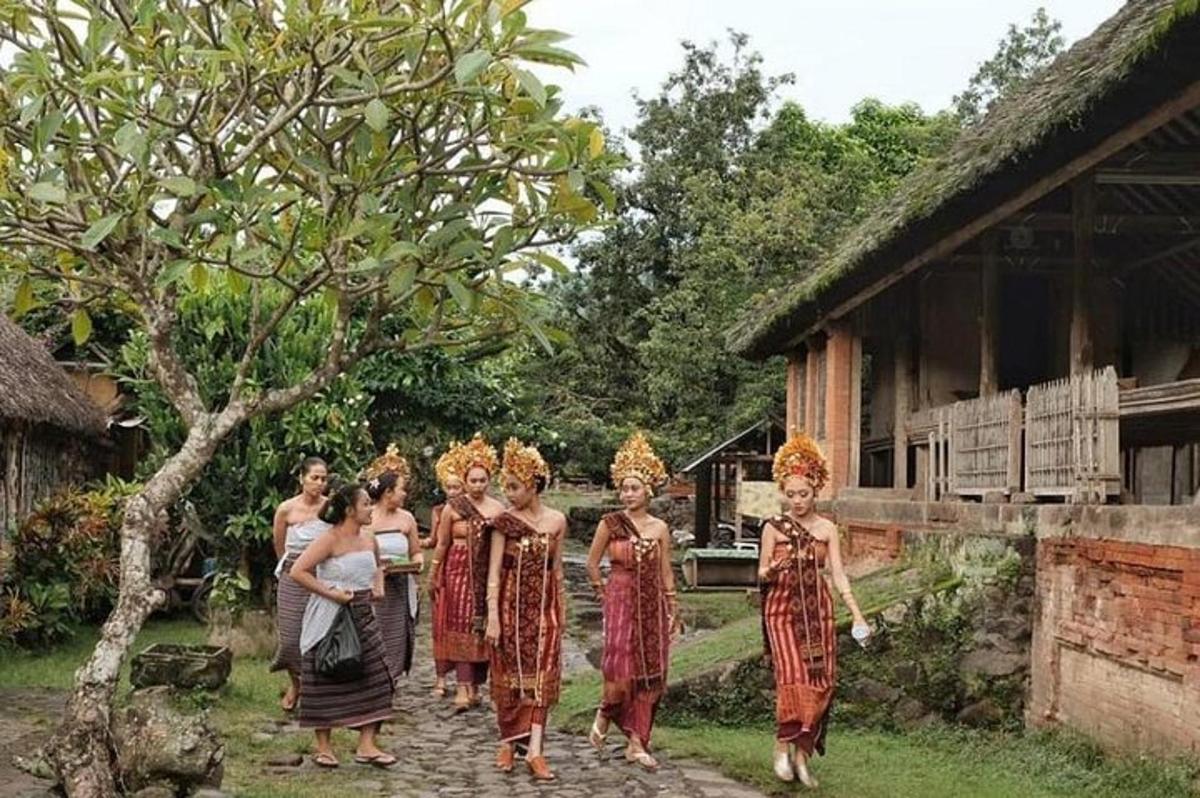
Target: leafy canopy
[(395, 160)]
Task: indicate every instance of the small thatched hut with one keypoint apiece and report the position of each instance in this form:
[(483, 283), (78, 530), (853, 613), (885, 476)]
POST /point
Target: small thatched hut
[(51, 434)]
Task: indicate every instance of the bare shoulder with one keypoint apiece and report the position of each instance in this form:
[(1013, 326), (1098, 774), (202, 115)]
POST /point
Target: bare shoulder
[(560, 520), (408, 520), (824, 529), (657, 527)]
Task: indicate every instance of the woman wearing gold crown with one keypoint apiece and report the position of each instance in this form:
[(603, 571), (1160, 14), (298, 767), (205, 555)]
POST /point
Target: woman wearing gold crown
[(526, 607), (451, 483), (798, 548), (395, 530), (459, 577), (638, 601)]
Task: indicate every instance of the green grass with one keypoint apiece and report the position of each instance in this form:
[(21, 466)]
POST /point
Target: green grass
[(564, 499), (714, 610), (938, 763), (741, 638)]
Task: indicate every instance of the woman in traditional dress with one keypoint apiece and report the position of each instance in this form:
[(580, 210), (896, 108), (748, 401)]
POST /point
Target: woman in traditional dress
[(396, 534), (526, 607), (459, 577), (296, 525), (342, 567), (450, 479), (798, 549), (638, 602)]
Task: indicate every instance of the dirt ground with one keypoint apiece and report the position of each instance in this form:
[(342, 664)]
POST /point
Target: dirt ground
[(26, 716)]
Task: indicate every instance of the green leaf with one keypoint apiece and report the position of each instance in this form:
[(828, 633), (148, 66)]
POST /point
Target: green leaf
[(81, 326), (24, 300), (236, 281), (199, 276), (48, 192), (550, 262), (100, 230), (376, 114), (47, 128), (470, 64), (402, 278), (129, 140), (171, 273), (532, 86), (402, 249), (180, 186), (464, 296)]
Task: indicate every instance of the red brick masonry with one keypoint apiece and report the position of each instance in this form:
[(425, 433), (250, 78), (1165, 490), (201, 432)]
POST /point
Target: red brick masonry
[(1116, 648)]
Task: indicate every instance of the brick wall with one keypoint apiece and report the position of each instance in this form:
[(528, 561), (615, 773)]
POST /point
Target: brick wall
[(1116, 646), (871, 542)]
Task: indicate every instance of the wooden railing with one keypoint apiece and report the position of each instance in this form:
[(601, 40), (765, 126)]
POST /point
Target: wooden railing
[(1072, 443)]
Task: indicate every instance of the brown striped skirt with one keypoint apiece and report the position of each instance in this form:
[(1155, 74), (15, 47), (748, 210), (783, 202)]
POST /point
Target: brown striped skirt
[(325, 704), (290, 601), (396, 624)]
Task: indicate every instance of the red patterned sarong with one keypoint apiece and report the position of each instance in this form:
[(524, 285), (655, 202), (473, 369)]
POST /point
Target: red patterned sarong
[(800, 638)]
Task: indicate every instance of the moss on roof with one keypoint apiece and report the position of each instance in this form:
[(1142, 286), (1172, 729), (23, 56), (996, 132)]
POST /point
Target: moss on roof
[(1059, 100)]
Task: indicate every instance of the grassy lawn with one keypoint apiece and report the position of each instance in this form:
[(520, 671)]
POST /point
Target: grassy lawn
[(938, 763)]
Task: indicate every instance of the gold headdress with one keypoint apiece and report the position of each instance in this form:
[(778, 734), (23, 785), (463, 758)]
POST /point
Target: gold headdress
[(390, 460), (801, 457), (637, 459), (447, 466), (476, 452), (524, 462)]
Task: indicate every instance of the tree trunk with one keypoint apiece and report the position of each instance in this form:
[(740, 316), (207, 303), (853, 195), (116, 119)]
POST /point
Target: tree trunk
[(81, 749)]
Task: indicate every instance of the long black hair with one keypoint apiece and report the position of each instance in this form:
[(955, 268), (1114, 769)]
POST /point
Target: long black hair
[(341, 500)]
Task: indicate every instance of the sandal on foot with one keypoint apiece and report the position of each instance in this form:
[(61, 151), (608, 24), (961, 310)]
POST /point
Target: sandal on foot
[(461, 705), (504, 759), (596, 737), (323, 760), (381, 760), (539, 768), (643, 760), (438, 692)]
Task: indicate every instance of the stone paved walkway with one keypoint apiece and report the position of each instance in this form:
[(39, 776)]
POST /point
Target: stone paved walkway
[(443, 754)]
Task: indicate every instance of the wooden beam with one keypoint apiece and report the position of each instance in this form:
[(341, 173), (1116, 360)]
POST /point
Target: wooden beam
[(1111, 223), (1188, 99), (989, 321), (902, 358), (1083, 209), (795, 394), (1163, 254), (1139, 177)]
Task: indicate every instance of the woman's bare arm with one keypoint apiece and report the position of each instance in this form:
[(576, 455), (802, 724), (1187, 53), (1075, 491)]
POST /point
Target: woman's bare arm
[(595, 553), (303, 570)]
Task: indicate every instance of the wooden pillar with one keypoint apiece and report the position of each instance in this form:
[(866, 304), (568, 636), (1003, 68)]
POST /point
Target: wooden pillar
[(737, 500), (704, 501), (1083, 216), (902, 358), (989, 321), (796, 389), (811, 381), (840, 415)]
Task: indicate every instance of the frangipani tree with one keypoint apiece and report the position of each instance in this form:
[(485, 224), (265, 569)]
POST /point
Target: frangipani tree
[(391, 159)]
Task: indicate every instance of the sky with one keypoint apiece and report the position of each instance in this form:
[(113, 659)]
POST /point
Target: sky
[(922, 51)]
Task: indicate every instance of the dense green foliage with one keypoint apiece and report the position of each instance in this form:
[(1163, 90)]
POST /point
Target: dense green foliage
[(60, 566)]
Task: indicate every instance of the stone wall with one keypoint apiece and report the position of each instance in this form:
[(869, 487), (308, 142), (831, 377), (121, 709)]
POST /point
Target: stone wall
[(1116, 623)]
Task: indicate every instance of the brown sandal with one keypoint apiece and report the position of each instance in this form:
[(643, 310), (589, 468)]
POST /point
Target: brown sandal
[(324, 760), (504, 758), (539, 768)]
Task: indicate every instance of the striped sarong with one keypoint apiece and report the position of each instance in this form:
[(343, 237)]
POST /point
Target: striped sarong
[(801, 641), (290, 601), (396, 623), (325, 704)]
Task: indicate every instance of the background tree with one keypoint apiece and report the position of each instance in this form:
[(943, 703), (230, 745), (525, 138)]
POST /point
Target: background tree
[(393, 160), (1022, 52)]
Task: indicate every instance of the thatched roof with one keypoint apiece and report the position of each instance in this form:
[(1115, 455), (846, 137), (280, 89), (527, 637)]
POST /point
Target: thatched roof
[(1143, 56), (35, 390)]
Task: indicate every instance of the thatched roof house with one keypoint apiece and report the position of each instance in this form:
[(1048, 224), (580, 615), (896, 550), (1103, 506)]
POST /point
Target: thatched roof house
[(1142, 57), (50, 432)]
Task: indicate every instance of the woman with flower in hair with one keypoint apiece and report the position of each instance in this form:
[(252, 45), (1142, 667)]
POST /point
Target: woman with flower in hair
[(295, 526), (459, 577), (525, 610), (798, 549), (395, 531), (638, 602), (451, 483)]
